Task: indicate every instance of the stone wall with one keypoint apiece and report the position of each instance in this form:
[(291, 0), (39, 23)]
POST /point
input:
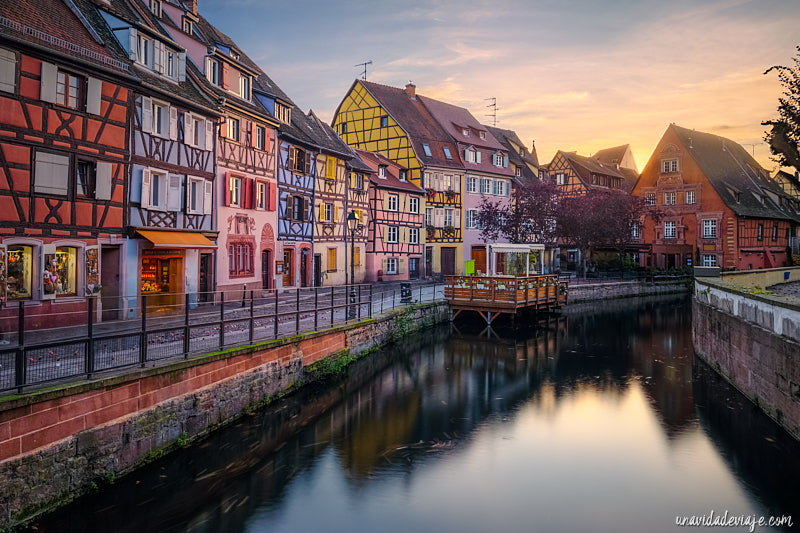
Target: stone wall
[(754, 343), (58, 443), (623, 289)]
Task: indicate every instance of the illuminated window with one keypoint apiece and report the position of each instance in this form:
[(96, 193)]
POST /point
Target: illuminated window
[(19, 273), (60, 272)]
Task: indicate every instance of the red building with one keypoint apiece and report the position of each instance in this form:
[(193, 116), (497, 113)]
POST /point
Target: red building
[(719, 206), (63, 160)]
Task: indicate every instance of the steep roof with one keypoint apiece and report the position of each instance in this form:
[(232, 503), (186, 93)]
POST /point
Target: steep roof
[(455, 119), (611, 156), (739, 180), (510, 140), (586, 166), (418, 122), (392, 180)]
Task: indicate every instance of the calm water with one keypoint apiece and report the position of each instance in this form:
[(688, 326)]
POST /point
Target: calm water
[(598, 420)]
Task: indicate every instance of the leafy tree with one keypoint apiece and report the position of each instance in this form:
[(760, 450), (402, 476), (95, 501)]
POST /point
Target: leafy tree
[(528, 218), (784, 133)]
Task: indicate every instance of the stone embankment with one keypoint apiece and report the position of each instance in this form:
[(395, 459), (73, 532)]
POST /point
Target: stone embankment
[(586, 292), (59, 443)]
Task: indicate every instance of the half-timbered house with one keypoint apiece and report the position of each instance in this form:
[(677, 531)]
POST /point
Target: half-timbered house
[(524, 163), (171, 224), (246, 185), (487, 174), (395, 123), (64, 147), (394, 244), (718, 206), (576, 174)]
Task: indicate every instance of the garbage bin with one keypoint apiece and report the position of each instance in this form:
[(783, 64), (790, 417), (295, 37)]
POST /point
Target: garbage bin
[(405, 293)]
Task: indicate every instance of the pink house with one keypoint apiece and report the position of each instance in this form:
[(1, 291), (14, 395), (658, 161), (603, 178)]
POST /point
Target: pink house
[(394, 249)]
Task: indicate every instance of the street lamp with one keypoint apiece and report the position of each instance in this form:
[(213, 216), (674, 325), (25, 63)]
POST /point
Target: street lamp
[(352, 225)]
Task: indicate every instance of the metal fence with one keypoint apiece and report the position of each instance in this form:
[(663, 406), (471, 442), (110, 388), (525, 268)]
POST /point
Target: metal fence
[(179, 325), (617, 276)]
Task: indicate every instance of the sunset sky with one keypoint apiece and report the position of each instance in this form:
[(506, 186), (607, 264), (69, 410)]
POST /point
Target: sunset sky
[(569, 74)]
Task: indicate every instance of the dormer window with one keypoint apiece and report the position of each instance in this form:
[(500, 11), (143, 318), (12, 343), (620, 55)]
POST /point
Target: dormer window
[(155, 7), (244, 87), (472, 155), (483, 135), (447, 153), (403, 175), (235, 55), (427, 149), (283, 113), (465, 131), (145, 51), (519, 171), (188, 27), (213, 71), (382, 171)]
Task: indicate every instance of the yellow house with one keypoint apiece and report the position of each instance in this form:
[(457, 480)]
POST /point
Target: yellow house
[(396, 124)]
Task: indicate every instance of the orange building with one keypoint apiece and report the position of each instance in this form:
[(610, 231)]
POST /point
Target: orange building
[(719, 207)]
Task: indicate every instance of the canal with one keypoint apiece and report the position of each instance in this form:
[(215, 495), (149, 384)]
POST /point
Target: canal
[(599, 419)]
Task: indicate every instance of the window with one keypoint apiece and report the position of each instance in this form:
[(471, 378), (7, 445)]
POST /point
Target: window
[(261, 137), (51, 174), (518, 171), (146, 52), (391, 265), (283, 113), (194, 131), (392, 234), (240, 259), (484, 186), (669, 230), (194, 196), (327, 212), (761, 232), (496, 187), (343, 127), (187, 25), (634, 231), (774, 232), (213, 71), (332, 259), (669, 165), (448, 217), (650, 199), (8, 70), (382, 171), (299, 162), (85, 178), (403, 175), (709, 260), (465, 131), (428, 216), (160, 119), (233, 129), (472, 155), (244, 87), (413, 235), (413, 205), (709, 229), (60, 272), (297, 208), (171, 64), (155, 7), (261, 195), (689, 197), (561, 178), (68, 89), (447, 153), (483, 135), (235, 185), (384, 122), (498, 160), (427, 149), (393, 202), (472, 219), (20, 272), (472, 184), (669, 198)]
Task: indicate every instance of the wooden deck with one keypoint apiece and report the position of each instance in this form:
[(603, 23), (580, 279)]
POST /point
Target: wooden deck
[(491, 296)]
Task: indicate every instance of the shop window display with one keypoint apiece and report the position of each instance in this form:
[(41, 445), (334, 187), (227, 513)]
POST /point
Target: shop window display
[(60, 272), (20, 274)]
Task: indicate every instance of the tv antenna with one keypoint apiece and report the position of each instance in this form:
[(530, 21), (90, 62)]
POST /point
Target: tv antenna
[(493, 107), (752, 147), (364, 64)]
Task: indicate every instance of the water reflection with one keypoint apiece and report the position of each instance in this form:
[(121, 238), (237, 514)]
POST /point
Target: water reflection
[(583, 422)]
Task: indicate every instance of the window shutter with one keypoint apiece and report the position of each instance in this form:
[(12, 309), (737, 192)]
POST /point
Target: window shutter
[(243, 132), (8, 81), (173, 123), (385, 240), (103, 181), (253, 135), (208, 197), (322, 212), (331, 168), (223, 129), (273, 190), (304, 214), (174, 192), (227, 185), (400, 264), (182, 66), (146, 177), (158, 56), (478, 156), (308, 164), (209, 134), (456, 218), (48, 82), (51, 173), (505, 161), (335, 213), (292, 157), (251, 193), (385, 265), (94, 96), (288, 213), (133, 43), (147, 115), (48, 255)]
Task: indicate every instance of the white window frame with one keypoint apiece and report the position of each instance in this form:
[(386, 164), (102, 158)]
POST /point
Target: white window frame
[(710, 228), (413, 205), (393, 234), (391, 265), (198, 197), (244, 87), (188, 26), (413, 235), (650, 199), (483, 135), (235, 184), (261, 137), (635, 233), (145, 51), (670, 230), (233, 124), (709, 260), (393, 202), (158, 193), (484, 186), (669, 166), (448, 217), (160, 127), (262, 189), (561, 178), (428, 216), (669, 198), (472, 184), (382, 171), (155, 7), (328, 212), (213, 71), (690, 199)]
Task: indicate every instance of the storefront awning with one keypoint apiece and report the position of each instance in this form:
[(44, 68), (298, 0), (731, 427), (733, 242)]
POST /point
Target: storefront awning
[(177, 239), (516, 248)]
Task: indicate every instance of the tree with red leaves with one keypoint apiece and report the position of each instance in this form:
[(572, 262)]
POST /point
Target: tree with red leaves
[(528, 218)]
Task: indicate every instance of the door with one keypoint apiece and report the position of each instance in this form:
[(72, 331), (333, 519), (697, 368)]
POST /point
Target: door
[(204, 278), (109, 281), (413, 268), (448, 261), (304, 255), (479, 256), (288, 266), (429, 261), (317, 270), (266, 272)]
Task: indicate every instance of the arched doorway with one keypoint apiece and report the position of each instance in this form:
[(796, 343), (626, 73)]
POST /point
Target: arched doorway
[(267, 257)]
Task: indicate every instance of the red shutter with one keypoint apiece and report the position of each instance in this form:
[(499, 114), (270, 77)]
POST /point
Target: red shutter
[(251, 193), (227, 184), (223, 128), (273, 193), (253, 136)]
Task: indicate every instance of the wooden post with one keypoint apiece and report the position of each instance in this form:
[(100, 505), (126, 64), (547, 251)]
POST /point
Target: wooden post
[(221, 319), (186, 326)]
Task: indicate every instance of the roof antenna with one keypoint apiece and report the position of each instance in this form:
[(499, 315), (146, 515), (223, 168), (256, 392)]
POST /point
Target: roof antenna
[(493, 107), (364, 64)]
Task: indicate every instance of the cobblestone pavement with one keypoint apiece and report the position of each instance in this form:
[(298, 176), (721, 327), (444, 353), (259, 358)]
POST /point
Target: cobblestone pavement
[(791, 289)]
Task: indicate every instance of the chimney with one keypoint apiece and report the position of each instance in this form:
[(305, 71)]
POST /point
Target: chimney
[(411, 89), (192, 4)]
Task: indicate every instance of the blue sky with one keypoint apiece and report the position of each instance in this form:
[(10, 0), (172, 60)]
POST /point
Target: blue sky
[(573, 75)]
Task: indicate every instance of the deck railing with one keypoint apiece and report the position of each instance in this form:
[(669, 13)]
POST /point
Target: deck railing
[(515, 292)]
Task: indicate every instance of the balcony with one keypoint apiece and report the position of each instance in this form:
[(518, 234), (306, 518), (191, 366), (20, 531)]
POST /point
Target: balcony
[(446, 234), (443, 198)]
